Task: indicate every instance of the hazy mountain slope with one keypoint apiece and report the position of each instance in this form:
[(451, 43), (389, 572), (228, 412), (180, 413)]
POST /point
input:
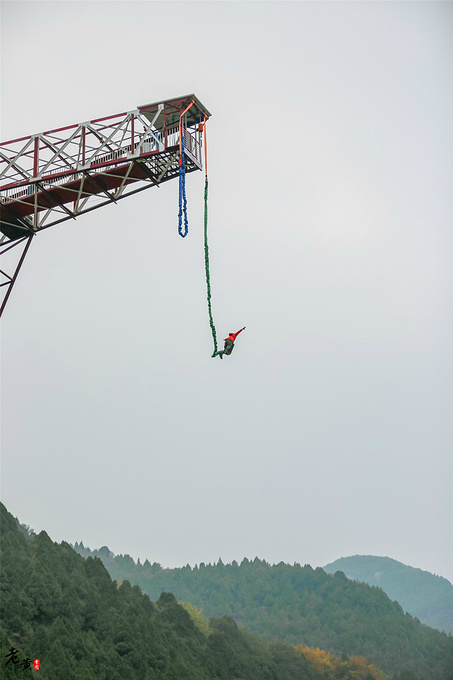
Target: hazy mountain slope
[(428, 597), (297, 604), (67, 611)]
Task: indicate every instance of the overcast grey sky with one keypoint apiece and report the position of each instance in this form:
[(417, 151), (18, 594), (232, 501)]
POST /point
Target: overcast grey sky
[(329, 430)]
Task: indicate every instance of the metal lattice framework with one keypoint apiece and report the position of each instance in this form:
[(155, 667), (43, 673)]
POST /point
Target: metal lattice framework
[(54, 176)]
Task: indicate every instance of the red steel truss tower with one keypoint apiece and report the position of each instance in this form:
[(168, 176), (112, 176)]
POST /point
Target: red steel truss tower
[(54, 176)]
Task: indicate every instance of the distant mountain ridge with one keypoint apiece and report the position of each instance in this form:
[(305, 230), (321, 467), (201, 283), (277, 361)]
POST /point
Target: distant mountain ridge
[(297, 604), (427, 597)]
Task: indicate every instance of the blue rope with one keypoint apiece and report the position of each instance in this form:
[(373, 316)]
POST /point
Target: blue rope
[(182, 193)]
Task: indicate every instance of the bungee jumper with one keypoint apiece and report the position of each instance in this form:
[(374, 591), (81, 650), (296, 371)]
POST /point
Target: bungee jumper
[(229, 344)]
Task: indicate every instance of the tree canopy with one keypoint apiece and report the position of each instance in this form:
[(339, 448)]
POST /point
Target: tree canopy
[(299, 605), (66, 611)]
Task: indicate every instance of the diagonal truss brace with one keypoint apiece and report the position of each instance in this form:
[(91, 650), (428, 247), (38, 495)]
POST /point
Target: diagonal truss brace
[(7, 281)]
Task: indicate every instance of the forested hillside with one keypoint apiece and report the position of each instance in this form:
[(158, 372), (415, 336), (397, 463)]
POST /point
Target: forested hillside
[(67, 612), (296, 604), (424, 595)]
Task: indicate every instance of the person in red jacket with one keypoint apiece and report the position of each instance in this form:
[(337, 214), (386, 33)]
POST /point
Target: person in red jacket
[(229, 343)]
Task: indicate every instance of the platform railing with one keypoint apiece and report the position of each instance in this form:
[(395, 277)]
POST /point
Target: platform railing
[(150, 143)]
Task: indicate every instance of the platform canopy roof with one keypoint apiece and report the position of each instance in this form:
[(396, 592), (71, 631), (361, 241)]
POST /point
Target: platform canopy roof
[(173, 109)]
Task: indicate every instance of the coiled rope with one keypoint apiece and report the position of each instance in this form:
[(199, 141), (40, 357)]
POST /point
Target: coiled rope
[(182, 179)]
